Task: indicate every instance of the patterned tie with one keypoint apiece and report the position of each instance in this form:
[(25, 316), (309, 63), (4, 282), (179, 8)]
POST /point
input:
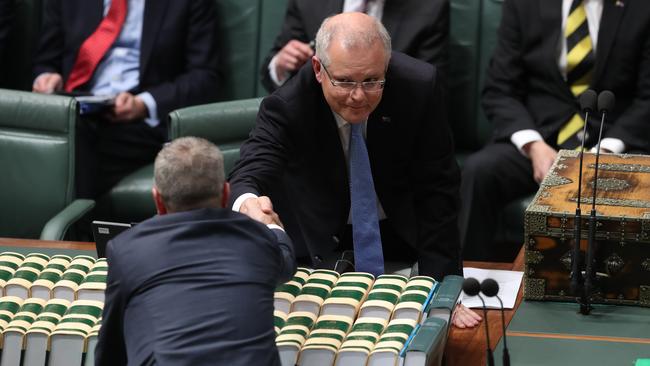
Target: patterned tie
[(368, 255), (95, 47), (580, 64)]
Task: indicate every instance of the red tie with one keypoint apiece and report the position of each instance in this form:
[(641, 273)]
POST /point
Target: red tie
[(96, 46)]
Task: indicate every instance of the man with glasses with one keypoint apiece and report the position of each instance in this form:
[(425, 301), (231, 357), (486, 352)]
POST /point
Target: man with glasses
[(358, 109)]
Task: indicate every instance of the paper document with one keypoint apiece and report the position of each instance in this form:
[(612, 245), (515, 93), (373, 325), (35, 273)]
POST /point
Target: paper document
[(508, 281)]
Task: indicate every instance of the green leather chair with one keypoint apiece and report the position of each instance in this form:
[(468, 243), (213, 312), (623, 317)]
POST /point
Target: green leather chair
[(37, 158), (227, 124)]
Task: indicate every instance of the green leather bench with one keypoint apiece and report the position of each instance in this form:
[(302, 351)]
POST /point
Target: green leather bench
[(37, 159)]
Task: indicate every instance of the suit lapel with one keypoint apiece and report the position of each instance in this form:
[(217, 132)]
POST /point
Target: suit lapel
[(609, 24), (154, 14), (95, 11)]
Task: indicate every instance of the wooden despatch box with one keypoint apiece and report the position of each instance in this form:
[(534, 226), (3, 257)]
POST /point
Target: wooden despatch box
[(622, 234)]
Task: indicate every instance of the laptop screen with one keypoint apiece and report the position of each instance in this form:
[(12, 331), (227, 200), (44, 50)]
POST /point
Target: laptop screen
[(103, 231)]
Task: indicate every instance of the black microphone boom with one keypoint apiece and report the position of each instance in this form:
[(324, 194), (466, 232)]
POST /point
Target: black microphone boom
[(472, 287), (606, 101), (587, 105), (490, 288)]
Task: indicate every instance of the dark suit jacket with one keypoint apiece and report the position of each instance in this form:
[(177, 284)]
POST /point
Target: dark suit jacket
[(178, 59), (296, 142), (418, 28), (525, 89), (193, 288)]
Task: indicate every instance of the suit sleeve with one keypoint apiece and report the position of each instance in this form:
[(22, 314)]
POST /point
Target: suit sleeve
[(504, 90), (288, 265), (292, 28), (632, 125), (198, 83), (264, 155), (111, 349), (49, 55), (436, 178)]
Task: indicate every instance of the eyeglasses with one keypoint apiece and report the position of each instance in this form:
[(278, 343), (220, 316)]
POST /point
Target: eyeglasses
[(367, 86)]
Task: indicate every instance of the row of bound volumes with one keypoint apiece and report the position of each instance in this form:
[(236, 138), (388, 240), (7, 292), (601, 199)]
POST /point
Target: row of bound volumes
[(323, 318), (56, 332), (59, 276)]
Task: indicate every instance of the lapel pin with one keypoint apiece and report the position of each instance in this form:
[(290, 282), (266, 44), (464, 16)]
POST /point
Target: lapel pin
[(619, 3), (385, 119)]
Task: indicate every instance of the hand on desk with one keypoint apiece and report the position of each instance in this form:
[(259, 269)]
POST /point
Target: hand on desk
[(464, 317)]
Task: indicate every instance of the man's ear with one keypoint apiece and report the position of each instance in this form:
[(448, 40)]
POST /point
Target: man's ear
[(158, 201), (316, 66), (225, 194)]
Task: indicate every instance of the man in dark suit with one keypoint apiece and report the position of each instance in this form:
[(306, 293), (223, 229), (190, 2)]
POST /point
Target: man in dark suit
[(6, 21), (547, 54), (164, 58), (193, 285), (418, 28)]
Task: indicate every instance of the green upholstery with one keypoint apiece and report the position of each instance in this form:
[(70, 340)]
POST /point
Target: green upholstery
[(271, 19), (238, 44), (17, 64), (37, 159), (227, 124)]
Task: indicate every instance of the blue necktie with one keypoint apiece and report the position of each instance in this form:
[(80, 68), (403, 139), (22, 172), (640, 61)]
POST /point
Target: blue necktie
[(368, 256)]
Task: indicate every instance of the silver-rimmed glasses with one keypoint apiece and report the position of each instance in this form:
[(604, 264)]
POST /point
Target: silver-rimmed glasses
[(348, 86)]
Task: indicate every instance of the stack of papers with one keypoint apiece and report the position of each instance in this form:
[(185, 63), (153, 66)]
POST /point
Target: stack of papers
[(509, 282)]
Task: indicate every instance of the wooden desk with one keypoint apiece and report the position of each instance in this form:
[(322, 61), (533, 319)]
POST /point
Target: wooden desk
[(33, 243), (466, 347)]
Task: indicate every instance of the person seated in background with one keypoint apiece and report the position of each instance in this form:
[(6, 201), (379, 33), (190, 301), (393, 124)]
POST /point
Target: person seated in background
[(151, 56), (394, 196), (418, 28), (547, 55), (194, 285)]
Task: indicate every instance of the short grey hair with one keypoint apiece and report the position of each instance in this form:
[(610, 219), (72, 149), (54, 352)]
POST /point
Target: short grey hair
[(189, 174), (351, 36)]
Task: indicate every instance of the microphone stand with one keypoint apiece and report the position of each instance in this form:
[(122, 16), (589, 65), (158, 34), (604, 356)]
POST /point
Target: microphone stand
[(506, 354), (490, 356), (576, 274)]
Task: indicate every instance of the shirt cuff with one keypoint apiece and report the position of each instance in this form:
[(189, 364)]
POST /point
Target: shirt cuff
[(152, 107), (523, 137), (274, 75), (612, 144), (274, 226), (238, 202)]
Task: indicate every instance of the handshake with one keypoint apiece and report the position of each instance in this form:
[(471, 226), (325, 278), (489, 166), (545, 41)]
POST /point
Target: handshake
[(260, 209)]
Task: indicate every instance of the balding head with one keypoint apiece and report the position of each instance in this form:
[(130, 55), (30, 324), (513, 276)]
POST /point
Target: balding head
[(351, 31)]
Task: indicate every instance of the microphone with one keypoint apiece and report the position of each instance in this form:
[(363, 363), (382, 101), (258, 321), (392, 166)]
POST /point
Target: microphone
[(490, 288), (472, 287), (587, 105), (606, 101)]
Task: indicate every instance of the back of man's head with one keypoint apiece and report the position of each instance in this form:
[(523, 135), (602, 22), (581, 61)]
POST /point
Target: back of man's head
[(189, 174)]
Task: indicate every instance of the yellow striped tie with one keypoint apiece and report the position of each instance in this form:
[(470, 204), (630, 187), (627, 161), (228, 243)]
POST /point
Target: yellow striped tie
[(580, 64)]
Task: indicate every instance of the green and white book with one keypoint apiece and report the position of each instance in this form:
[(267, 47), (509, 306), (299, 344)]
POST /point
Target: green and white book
[(51, 274), (279, 319), (428, 345), (315, 291), (67, 286), (14, 334), (287, 292), (9, 306), (324, 340), (91, 344), (9, 263), (413, 299), (383, 296), (25, 275), (387, 350), (293, 335), (68, 341), (93, 286), (444, 300), (346, 297), (360, 341), (36, 338)]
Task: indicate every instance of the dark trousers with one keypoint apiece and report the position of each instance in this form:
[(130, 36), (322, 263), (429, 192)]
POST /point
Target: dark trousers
[(491, 178), (107, 152)]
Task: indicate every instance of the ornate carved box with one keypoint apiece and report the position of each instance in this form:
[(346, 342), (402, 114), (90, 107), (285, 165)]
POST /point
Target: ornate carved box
[(622, 258)]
